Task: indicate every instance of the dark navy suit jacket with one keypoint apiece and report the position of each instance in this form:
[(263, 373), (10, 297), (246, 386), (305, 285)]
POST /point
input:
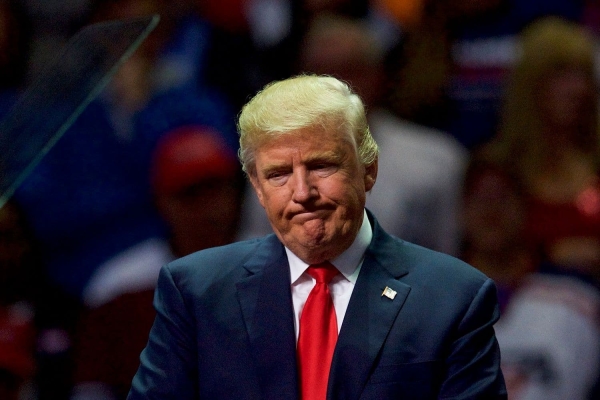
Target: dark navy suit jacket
[(225, 328)]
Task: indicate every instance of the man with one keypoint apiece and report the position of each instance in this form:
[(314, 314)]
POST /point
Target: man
[(423, 168), (408, 322)]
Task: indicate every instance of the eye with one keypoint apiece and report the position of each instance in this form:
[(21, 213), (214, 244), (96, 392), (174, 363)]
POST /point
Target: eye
[(277, 178), (324, 169)]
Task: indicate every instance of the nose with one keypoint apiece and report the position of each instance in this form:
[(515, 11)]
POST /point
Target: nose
[(302, 186)]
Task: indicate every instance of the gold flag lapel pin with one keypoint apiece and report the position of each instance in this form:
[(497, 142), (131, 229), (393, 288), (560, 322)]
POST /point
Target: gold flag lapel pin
[(389, 293)]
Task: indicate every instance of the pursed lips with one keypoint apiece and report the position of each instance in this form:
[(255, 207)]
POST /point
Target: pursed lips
[(306, 215)]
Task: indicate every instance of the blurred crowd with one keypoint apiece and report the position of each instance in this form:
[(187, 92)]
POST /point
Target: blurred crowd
[(485, 111)]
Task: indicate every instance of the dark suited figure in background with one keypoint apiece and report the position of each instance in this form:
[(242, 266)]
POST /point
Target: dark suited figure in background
[(411, 323)]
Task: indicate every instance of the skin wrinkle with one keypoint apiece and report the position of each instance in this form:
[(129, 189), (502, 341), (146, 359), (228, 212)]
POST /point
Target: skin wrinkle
[(313, 188)]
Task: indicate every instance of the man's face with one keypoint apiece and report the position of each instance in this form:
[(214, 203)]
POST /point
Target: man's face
[(313, 188), (188, 214)]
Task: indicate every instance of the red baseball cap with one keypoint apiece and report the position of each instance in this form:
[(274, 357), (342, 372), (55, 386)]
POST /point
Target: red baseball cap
[(189, 155)]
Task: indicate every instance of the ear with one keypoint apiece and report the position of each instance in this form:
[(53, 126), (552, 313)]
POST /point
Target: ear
[(371, 175), (257, 188)]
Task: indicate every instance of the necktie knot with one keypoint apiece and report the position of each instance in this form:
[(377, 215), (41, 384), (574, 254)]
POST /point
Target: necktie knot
[(322, 272)]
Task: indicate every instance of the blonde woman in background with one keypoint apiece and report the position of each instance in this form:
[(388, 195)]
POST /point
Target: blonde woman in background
[(548, 136)]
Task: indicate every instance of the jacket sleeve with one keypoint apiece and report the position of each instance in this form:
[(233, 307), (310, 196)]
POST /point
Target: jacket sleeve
[(168, 363), (473, 363)]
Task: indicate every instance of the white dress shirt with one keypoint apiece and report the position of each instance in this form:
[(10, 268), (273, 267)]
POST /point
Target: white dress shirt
[(341, 286)]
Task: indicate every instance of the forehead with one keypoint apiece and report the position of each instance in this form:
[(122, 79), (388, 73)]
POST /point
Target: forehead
[(316, 139)]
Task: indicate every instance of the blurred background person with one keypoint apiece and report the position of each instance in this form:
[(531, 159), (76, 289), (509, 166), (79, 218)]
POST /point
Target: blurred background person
[(549, 331), (453, 60), (493, 219), (197, 185), (18, 296), (254, 42), (548, 136)]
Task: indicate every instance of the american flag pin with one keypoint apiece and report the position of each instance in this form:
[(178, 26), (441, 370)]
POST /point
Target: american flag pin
[(389, 293)]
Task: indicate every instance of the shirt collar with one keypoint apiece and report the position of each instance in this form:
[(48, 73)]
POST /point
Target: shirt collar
[(348, 262)]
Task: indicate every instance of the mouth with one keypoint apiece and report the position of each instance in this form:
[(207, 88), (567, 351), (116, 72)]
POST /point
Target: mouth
[(305, 216), (309, 215), (301, 213)]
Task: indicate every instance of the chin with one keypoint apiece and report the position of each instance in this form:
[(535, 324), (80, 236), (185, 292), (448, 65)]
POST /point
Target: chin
[(314, 241)]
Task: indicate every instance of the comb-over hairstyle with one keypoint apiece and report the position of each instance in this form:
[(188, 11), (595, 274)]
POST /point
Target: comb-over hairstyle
[(300, 102)]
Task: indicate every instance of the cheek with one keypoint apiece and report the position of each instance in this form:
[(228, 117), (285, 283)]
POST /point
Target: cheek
[(274, 201), (349, 195)]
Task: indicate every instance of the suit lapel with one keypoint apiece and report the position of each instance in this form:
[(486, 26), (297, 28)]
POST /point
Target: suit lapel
[(369, 317), (266, 303)]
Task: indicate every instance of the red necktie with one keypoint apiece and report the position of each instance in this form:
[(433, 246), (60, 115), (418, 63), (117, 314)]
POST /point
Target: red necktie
[(318, 334)]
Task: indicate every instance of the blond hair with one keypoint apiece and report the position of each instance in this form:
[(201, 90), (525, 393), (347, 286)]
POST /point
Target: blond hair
[(547, 45), (299, 102)]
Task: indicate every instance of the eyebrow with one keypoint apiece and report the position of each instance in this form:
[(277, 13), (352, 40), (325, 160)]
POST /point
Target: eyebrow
[(329, 156), (323, 156)]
